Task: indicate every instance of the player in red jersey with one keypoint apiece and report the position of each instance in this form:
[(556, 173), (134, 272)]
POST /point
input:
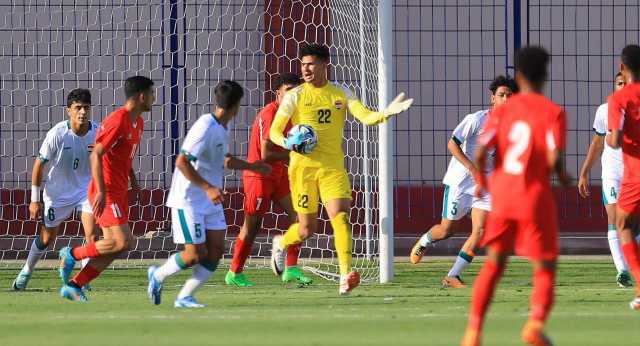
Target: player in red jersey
[(260, 190), (111, 160), (528, 134), (624, 123)]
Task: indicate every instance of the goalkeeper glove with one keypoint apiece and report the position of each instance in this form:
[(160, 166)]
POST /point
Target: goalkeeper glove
[(398, 105), (295, 142)]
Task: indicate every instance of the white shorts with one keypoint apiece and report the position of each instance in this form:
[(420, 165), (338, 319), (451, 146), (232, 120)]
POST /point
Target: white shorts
[(189, 227), (54, 216), (456, 204), (610, 191)]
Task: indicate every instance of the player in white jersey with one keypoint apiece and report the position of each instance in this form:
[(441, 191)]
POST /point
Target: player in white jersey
[(66, 150), (195, 198), (612, 169), (459, 188)]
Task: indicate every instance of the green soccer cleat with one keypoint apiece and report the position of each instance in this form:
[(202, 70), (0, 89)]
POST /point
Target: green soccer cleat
[(295, 274), (624, 279), (239, 280)]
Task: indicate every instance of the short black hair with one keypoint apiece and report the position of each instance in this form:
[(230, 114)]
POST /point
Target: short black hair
[(286, 78), (631, 59), (531, 62), (619, 74), (502, 81), (228, 94), (78, 95), (136, 85), (318, 50)]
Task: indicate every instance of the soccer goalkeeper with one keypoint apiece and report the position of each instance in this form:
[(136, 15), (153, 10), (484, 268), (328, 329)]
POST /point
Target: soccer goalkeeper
[(321, 174)]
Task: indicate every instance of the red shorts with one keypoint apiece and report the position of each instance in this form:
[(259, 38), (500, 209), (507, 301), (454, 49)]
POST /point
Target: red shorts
[(259, 192), (534, 239), (629, 197), (116, 210)]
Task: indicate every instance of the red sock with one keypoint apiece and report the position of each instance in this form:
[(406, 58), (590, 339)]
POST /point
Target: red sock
[(85, 275), (483, 289), (241, 251), (86, 251), (292, 255), (543, 295), (631, 255)]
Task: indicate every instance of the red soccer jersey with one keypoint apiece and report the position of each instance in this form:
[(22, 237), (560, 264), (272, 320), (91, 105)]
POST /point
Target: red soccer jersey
[(260, 131), (624, 111), (120, 137), (523, 130)]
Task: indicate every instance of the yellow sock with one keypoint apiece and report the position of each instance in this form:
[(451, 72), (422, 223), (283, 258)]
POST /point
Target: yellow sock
[(291, 237), (342, 241)]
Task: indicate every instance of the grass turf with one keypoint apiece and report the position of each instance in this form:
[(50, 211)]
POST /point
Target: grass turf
[(590, 310)]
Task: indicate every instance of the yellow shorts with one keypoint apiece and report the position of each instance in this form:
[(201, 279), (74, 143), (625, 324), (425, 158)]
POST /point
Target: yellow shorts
[(309, 183)]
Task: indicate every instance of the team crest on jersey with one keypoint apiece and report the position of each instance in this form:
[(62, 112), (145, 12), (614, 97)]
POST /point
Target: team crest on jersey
[(338, 104)]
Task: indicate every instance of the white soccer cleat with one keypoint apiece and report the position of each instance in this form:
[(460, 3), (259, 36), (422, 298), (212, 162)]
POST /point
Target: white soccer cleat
[(278, 255), (20, 283), (635, 304), (348, 283), (189, 303)]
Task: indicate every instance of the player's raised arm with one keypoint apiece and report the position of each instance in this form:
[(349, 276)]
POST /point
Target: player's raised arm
[(369, 117)]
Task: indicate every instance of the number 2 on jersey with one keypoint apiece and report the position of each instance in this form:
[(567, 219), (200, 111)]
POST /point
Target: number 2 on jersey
[(519, 136), (323, 116)]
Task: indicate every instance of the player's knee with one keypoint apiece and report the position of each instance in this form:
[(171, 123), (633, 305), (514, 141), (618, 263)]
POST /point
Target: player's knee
[(121, 245)]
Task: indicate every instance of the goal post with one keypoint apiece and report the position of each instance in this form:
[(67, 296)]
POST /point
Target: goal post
[(186, 47)]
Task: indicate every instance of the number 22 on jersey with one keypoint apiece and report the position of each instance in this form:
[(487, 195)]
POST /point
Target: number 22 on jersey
[(519, 139)]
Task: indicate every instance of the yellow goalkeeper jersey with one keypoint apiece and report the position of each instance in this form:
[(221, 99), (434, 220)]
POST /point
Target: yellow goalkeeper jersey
[(325, 110)]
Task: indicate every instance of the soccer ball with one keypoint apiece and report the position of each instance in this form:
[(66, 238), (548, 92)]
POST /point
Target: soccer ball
[(309, 138)]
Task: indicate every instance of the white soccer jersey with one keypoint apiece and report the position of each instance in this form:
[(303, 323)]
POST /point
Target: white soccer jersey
[(206, 146), (68, 175), (466, 134), (611, 160)]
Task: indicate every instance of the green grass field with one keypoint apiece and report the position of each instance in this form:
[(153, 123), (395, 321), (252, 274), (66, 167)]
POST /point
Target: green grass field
[(590, 310)]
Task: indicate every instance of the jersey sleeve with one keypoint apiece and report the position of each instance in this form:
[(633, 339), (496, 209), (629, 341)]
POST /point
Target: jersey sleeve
[(195, 142), (360, 111), (600, 121), (265, 119), (465, 129), (110, 132), (287, 109), (615, 112), (49, 147)]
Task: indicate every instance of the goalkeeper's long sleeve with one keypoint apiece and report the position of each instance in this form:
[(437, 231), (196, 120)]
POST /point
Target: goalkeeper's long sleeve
[(284, 113), (364, 114)]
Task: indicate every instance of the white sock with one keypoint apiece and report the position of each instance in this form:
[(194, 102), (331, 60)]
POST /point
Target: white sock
[(426, 239), (462, 261), (35, 252), (616, 251), (85, 261), (199, 276), (173, 265)]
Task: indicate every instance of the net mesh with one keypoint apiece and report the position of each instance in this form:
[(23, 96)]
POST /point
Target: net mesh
[(186, 47)]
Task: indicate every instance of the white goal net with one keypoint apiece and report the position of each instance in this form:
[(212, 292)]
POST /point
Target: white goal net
[(49, 48)]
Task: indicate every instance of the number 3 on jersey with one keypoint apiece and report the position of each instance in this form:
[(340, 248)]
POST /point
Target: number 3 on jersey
[(519, 137)]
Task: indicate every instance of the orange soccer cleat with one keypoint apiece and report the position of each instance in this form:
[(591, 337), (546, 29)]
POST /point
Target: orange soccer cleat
[(348, 283), (532, 334), (453, 282), (417, 252)]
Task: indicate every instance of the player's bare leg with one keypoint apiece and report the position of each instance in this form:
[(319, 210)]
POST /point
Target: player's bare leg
[(542, 299), (626, 224), (202, 271), (467, 252), (338, 211), (46, 236), (483, 290), (445, 229), (623, 278), (117, 239)]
